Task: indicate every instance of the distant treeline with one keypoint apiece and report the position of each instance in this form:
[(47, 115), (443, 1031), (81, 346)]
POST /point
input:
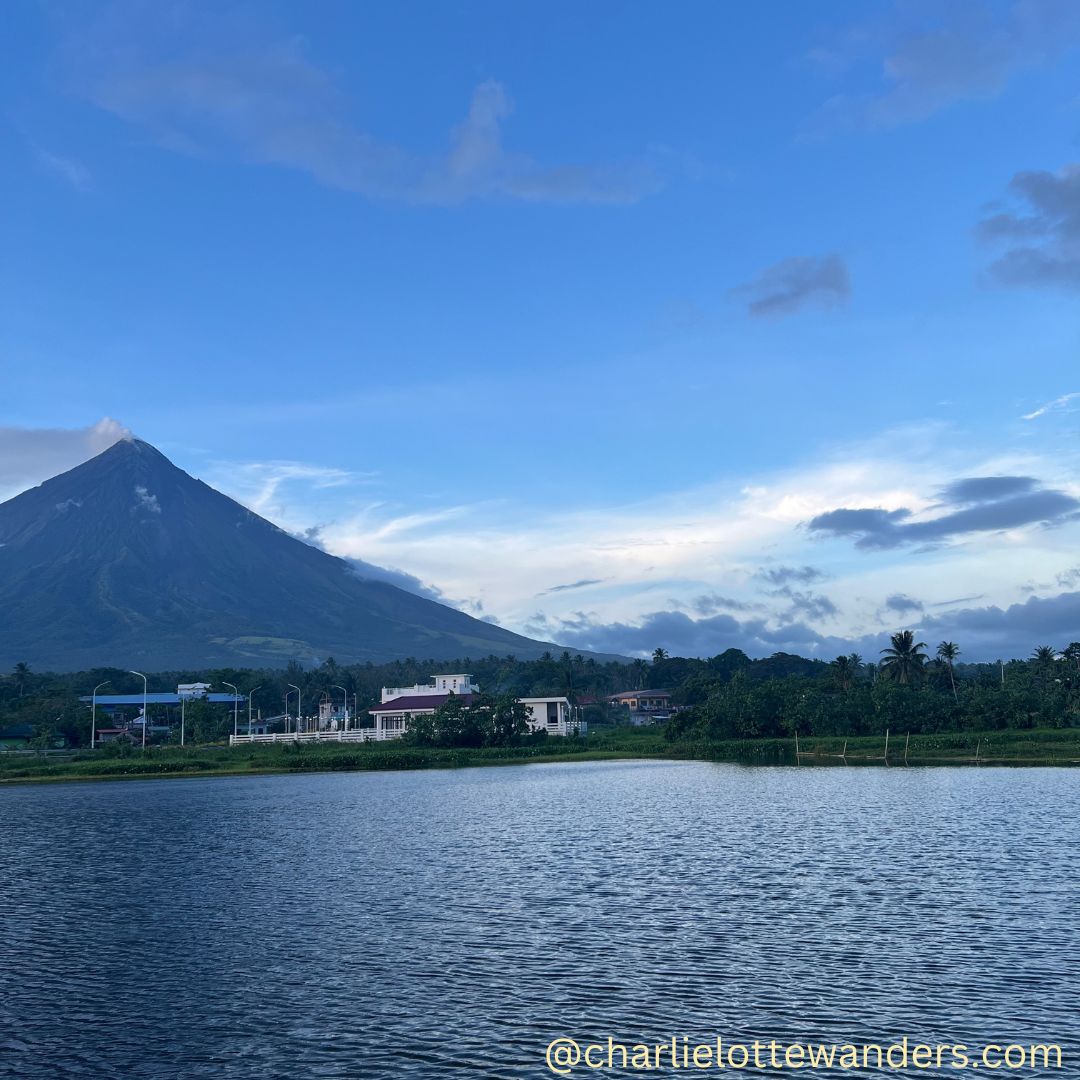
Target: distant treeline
[(724, 697)]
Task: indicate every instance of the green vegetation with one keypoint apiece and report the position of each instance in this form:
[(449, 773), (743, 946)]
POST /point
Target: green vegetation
[(488, 721), (729, 707), (1034, 747), (906, 693)]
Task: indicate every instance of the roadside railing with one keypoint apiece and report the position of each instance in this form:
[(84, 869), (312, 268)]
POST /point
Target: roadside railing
[(354, 736)]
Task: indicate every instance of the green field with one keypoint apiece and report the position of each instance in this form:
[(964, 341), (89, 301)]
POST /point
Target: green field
[(1030, 747)]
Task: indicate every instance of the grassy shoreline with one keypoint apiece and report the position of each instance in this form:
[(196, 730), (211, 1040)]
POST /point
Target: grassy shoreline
[(1059, 747)]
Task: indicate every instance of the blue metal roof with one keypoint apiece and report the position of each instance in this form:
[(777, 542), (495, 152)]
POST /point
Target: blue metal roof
[(161, 699)]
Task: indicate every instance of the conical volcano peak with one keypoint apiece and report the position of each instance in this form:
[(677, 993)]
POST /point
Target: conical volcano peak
[(130, 446), (127, 560)]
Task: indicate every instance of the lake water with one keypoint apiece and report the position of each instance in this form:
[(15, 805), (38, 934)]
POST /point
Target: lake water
[(445, 923)]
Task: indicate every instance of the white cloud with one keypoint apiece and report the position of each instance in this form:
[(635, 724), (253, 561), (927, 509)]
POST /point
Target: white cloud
[(719, 539), (30, 455), (144, 500), (270, 487), (231, 87), (1051, 406)]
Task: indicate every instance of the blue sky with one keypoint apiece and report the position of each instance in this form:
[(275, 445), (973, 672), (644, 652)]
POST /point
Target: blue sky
[(624, 297)]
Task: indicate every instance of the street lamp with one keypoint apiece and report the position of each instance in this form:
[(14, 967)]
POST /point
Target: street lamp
[(143, 677), (235, 707), (93, 713), (345, 699), (250, 692), (299, 699), (183, 707)]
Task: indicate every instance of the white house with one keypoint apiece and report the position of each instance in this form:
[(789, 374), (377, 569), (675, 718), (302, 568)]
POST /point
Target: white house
[(392, 717), (555, 715), (400, 704)]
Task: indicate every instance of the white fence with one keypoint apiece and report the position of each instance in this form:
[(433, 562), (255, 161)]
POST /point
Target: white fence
[(356, 735)]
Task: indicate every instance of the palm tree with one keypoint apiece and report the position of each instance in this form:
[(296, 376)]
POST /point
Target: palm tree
[(658, 655), (1044, 658), (844, 671), (22, 672), (947, 652), (903, 661)]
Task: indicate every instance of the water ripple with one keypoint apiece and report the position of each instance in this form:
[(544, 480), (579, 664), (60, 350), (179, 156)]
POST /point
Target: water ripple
[(427, 924)]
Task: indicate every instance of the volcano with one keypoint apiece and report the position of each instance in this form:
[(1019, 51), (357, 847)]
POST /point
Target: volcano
[(127, 561)]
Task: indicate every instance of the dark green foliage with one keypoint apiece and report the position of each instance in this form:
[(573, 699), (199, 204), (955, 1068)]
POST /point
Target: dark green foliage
[(489, 721), (728, 696)]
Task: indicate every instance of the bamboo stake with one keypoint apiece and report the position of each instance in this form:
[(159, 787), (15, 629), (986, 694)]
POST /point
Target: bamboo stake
[(886, 744), (906, 741)]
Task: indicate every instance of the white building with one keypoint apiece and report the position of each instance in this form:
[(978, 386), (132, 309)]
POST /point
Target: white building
[(440, 686), (192, 690), (555, 715), (399, 705)]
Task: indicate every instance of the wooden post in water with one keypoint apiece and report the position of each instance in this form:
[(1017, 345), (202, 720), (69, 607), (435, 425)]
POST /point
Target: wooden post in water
[(978, 747), (843, 753), (906, 741), (886, 744), (796, 746)]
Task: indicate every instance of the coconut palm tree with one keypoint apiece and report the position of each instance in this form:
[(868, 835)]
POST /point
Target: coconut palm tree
[(903, 662), (947, 652), (658, 655), (1044, 658), (22, 673), (844, 671), (1044, 655)]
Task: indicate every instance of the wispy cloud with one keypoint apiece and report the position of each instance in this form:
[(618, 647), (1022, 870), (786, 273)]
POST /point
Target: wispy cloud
[(1051, 406), (259, 485), (209, 85), (72, 172), (932, 56), (785, 575), (711, 603), (582, 584), (795, 283), (900, 604)]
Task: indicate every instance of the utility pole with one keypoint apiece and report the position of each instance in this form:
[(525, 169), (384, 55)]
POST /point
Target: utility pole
[(93, 713), (144, 716), (235, 707), (299, 699), (250, 692)]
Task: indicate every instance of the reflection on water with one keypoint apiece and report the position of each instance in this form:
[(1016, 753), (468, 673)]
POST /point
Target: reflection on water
[(421, 924)]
